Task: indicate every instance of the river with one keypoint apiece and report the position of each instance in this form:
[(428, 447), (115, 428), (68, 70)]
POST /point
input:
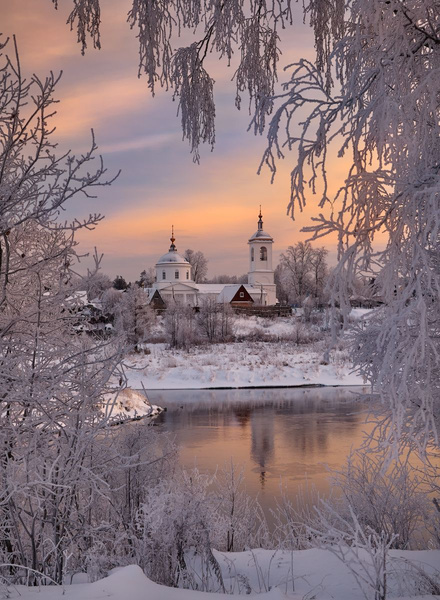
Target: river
[(280, 435)]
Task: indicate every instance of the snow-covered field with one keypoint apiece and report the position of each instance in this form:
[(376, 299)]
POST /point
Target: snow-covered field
[(265, 353), (235, 365), (299, 575)]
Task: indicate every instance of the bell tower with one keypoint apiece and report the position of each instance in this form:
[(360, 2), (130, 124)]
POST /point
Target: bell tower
[(261, 272)]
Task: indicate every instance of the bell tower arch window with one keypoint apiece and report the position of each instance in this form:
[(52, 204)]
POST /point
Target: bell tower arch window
[(263, 253), (164, 275), (252, 253)]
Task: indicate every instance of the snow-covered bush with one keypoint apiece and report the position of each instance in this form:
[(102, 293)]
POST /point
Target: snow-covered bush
[(142, 458), (363, 550), (214, 320), (242, 523), (393, 502), (171, 519), (303, 334), (132, 317), (429, 474), (389, 500), (293, 518), (173, 532), (180, 325), (111, 299), (413, 578)]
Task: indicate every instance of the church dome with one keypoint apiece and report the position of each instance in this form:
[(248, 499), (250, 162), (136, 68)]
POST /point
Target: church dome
[(172, 257)]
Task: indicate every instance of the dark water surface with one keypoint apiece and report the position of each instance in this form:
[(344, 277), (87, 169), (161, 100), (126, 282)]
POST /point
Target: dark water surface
[(281, 434)]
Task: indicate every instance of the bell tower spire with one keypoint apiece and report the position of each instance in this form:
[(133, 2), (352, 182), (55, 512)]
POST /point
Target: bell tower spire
[(260, 221), (172, 240)]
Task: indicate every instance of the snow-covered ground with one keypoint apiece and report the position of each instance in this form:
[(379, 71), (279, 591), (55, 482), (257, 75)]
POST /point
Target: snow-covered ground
[(235, 365), (265, 353), (268, 575)]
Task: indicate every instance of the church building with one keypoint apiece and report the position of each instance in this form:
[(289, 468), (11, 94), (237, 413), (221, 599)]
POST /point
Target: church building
[(174, 277)]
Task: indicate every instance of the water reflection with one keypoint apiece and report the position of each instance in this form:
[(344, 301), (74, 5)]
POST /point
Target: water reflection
[(263, 441), (288, 434)]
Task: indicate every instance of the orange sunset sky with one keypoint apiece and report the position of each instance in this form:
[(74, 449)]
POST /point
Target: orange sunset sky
[(214, 205)]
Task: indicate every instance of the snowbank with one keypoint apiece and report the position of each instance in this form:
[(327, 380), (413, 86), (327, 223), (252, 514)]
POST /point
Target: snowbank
[(360, 313), (238, 365), (266, 574), (132, 404), (127, 583)]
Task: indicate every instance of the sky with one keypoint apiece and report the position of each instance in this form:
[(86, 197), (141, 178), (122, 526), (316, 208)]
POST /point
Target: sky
[(213, 206)]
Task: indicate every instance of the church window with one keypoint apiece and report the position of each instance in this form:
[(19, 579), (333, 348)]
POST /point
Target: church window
[(252, 253), (187, 274), (164, 275), (263, 253), (176, 275)]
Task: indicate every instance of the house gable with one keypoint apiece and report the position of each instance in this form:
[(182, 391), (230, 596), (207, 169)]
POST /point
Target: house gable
[(242, 296), (156, 300)]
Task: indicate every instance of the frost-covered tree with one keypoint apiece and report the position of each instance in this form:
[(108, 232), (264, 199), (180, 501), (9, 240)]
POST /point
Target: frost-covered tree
[(302, 272), (199, 264), (96, 284), (119, 283), (53, 379), (382, 118), (180, 325), (281, 285), (147, 277), (215, 320), (319, 273), (133, 317), (249, 29), (297, 263)]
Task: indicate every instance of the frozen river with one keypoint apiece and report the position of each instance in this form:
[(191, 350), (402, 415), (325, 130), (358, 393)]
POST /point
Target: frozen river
[(287, 435)]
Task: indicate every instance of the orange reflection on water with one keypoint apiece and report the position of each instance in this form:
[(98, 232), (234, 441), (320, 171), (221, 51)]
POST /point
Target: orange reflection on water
[(279, 436)]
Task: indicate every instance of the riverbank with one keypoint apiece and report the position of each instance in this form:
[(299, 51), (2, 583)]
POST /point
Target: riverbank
[(239, 365), (262, 574)]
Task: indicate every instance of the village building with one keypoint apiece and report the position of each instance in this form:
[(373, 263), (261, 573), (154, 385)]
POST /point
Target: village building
[(174, 278)]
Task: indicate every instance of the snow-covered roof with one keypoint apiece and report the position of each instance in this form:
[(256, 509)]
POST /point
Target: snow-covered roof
[(262, 236), (228, 292), (254, 289), (210, 288), (79, 296), (149, 292), (96, 302), (172, 257)]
